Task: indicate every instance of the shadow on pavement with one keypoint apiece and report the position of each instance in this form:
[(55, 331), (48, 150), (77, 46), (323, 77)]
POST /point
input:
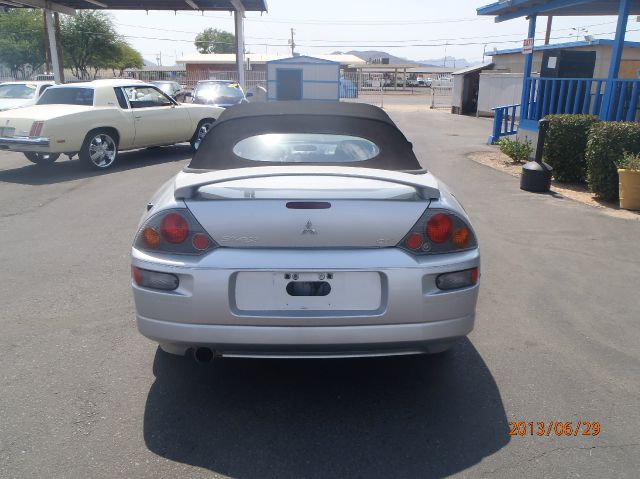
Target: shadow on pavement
[(393, 417), (69, 170)]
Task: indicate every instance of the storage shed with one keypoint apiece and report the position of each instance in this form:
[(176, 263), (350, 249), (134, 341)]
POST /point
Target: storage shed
[(303, 78), (466, 84)]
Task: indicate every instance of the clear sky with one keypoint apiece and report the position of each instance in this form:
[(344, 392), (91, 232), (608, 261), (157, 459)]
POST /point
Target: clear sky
[(414, 29)]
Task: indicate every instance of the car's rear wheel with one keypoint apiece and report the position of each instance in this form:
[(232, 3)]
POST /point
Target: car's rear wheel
[(100, 149), (203, 128), (41, 158)]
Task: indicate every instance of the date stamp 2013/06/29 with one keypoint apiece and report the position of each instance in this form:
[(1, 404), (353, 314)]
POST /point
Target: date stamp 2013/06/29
[(553, 427)]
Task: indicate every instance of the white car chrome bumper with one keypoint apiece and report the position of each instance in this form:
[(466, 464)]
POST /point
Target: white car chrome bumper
[(14, 143)]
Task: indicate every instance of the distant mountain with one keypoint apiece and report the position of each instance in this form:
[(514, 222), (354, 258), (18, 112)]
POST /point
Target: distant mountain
[(148, 63), (369, 55), (450, 62)]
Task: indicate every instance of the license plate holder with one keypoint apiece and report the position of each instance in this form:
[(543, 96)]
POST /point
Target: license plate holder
[(273, 291)]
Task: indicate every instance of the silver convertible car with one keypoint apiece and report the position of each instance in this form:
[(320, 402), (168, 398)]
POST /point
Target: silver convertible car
[(305, 229)]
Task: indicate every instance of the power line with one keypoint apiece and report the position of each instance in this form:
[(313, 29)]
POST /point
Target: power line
[(352, 41), (342, 21), (355, 44)]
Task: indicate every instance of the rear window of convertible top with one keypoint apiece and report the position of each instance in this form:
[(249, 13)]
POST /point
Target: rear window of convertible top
[(305, 148)]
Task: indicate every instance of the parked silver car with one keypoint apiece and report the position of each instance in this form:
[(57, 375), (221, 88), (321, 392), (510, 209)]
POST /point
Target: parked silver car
[(305, 229)]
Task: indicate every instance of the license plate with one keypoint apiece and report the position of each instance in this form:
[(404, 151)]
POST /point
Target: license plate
[(7, 131), (304, 291)]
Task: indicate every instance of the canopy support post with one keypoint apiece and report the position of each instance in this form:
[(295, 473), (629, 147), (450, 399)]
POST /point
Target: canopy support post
[(238, 16), (56, 62), (616, 59), (528, 67)]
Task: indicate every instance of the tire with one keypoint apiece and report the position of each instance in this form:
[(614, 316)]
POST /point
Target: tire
[(200, 133), (41, 159), (99, 149)]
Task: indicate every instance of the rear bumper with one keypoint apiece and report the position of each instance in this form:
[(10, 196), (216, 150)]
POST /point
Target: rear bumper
[(413, 314), (308, 341), (23, 143)]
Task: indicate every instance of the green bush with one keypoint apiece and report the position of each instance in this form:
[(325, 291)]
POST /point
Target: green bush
[(565, 146), (608, 142), (518, 151)]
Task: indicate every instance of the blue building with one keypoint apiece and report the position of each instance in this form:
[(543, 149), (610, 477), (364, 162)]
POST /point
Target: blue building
[(609, 97)]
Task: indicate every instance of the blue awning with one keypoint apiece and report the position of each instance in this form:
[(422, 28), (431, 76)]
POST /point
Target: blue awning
[(510, 9)]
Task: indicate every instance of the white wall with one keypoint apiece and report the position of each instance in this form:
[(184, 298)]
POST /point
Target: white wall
[(319, 80), (498, 89), (456, 95)]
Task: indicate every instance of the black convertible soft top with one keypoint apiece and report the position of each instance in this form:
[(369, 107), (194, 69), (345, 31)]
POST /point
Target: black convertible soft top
[(339, 118)]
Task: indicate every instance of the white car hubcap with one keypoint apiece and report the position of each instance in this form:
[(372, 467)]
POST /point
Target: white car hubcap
[(102, 150), (202, 131)]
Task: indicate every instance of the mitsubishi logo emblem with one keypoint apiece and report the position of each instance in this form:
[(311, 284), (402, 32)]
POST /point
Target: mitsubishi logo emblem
[(309, 229)]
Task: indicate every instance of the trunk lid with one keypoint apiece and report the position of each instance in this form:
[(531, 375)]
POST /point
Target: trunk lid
[(19, 120), (307, 211)]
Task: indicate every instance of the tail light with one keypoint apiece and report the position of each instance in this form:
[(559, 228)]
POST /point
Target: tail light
[(458, 279), (155, 279), (36, 128), (174, 231), (174, 228), (439, 228), (439, 231)]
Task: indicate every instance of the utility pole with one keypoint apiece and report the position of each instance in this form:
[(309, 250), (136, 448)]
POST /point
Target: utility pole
[(444, 60), (47, 58), (56, 23), (292, 43), (547, 36)]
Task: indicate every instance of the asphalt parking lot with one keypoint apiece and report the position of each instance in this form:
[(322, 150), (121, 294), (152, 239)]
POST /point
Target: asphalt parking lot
[(84, 395)]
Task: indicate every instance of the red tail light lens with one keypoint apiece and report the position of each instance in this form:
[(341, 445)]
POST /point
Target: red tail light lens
[(174, 228), (439, 228), (414, 241), (200, 241)]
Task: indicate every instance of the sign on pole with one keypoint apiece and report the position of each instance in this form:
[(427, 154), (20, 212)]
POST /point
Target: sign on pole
[(376, 80), (527, 46)]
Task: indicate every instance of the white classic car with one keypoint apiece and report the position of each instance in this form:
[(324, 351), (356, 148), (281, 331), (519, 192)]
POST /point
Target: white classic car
[(97, 119), (16, 94)]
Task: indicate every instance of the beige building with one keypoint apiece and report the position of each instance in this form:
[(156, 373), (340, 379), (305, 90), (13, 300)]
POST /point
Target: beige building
[(502, 85), (512, 61)]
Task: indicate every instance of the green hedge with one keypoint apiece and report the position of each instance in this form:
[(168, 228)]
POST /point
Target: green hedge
[(566, 144), (607, 144)]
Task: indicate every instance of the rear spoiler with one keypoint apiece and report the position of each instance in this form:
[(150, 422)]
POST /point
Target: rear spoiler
[(187, 184)]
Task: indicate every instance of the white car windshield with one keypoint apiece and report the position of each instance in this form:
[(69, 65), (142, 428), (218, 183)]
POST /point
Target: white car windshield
[(18, 91), (305, 148), (67, 96)]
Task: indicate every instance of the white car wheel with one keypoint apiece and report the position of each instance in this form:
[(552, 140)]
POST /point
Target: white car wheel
[(99, 150), (201, 132), (41, 158)]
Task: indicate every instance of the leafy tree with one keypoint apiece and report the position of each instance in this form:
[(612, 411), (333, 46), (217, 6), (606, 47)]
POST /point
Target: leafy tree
[(213, 40), (22, 40), (89, 42), (125, 56)]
